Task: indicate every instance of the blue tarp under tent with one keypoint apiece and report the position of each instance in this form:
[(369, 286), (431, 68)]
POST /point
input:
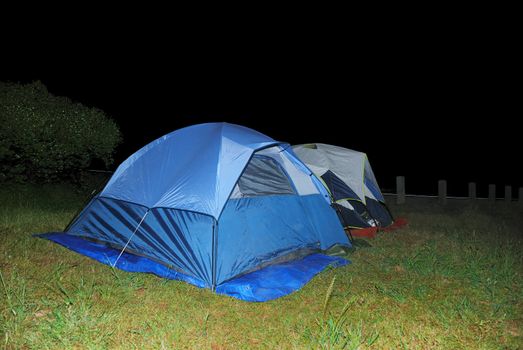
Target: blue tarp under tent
[(217, 205)]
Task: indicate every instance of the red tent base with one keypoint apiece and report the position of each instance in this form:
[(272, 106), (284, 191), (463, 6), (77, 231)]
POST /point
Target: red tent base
[(368, 232), (397, 224)]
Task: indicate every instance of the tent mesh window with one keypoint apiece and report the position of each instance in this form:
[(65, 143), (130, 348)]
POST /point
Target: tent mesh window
[(263, 176)]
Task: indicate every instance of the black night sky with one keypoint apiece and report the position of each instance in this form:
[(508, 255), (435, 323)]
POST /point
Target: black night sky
[(428, 106)]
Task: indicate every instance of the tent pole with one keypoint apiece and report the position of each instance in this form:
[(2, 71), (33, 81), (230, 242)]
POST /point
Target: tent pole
[(388, 210), (350, 235), (94, 192), (129, 240), (213, 258), (334, 204)]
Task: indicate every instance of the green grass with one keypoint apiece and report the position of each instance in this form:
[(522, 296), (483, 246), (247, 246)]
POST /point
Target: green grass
[(453, 279)]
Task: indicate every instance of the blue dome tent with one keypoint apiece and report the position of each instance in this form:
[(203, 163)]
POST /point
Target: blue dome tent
[(216, 205)]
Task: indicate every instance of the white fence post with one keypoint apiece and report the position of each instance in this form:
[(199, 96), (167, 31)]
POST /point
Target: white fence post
[(400, 189), (442, 191), (472, 190), (508, 194), (492, 192)]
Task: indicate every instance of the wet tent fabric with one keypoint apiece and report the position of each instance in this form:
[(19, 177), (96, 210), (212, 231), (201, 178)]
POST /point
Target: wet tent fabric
[(210, 203), (351, 182)]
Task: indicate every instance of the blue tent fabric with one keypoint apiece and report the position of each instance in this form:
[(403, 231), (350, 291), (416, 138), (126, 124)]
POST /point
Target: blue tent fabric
[(178, 203), (379, 212), (127, 262), (374, 189), (174, 237), (250, 231), (339, 189), (204, 163), (268, 283), (260, 229)]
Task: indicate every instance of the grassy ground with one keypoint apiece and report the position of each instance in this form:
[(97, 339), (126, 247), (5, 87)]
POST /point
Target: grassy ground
[(453, 279)]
